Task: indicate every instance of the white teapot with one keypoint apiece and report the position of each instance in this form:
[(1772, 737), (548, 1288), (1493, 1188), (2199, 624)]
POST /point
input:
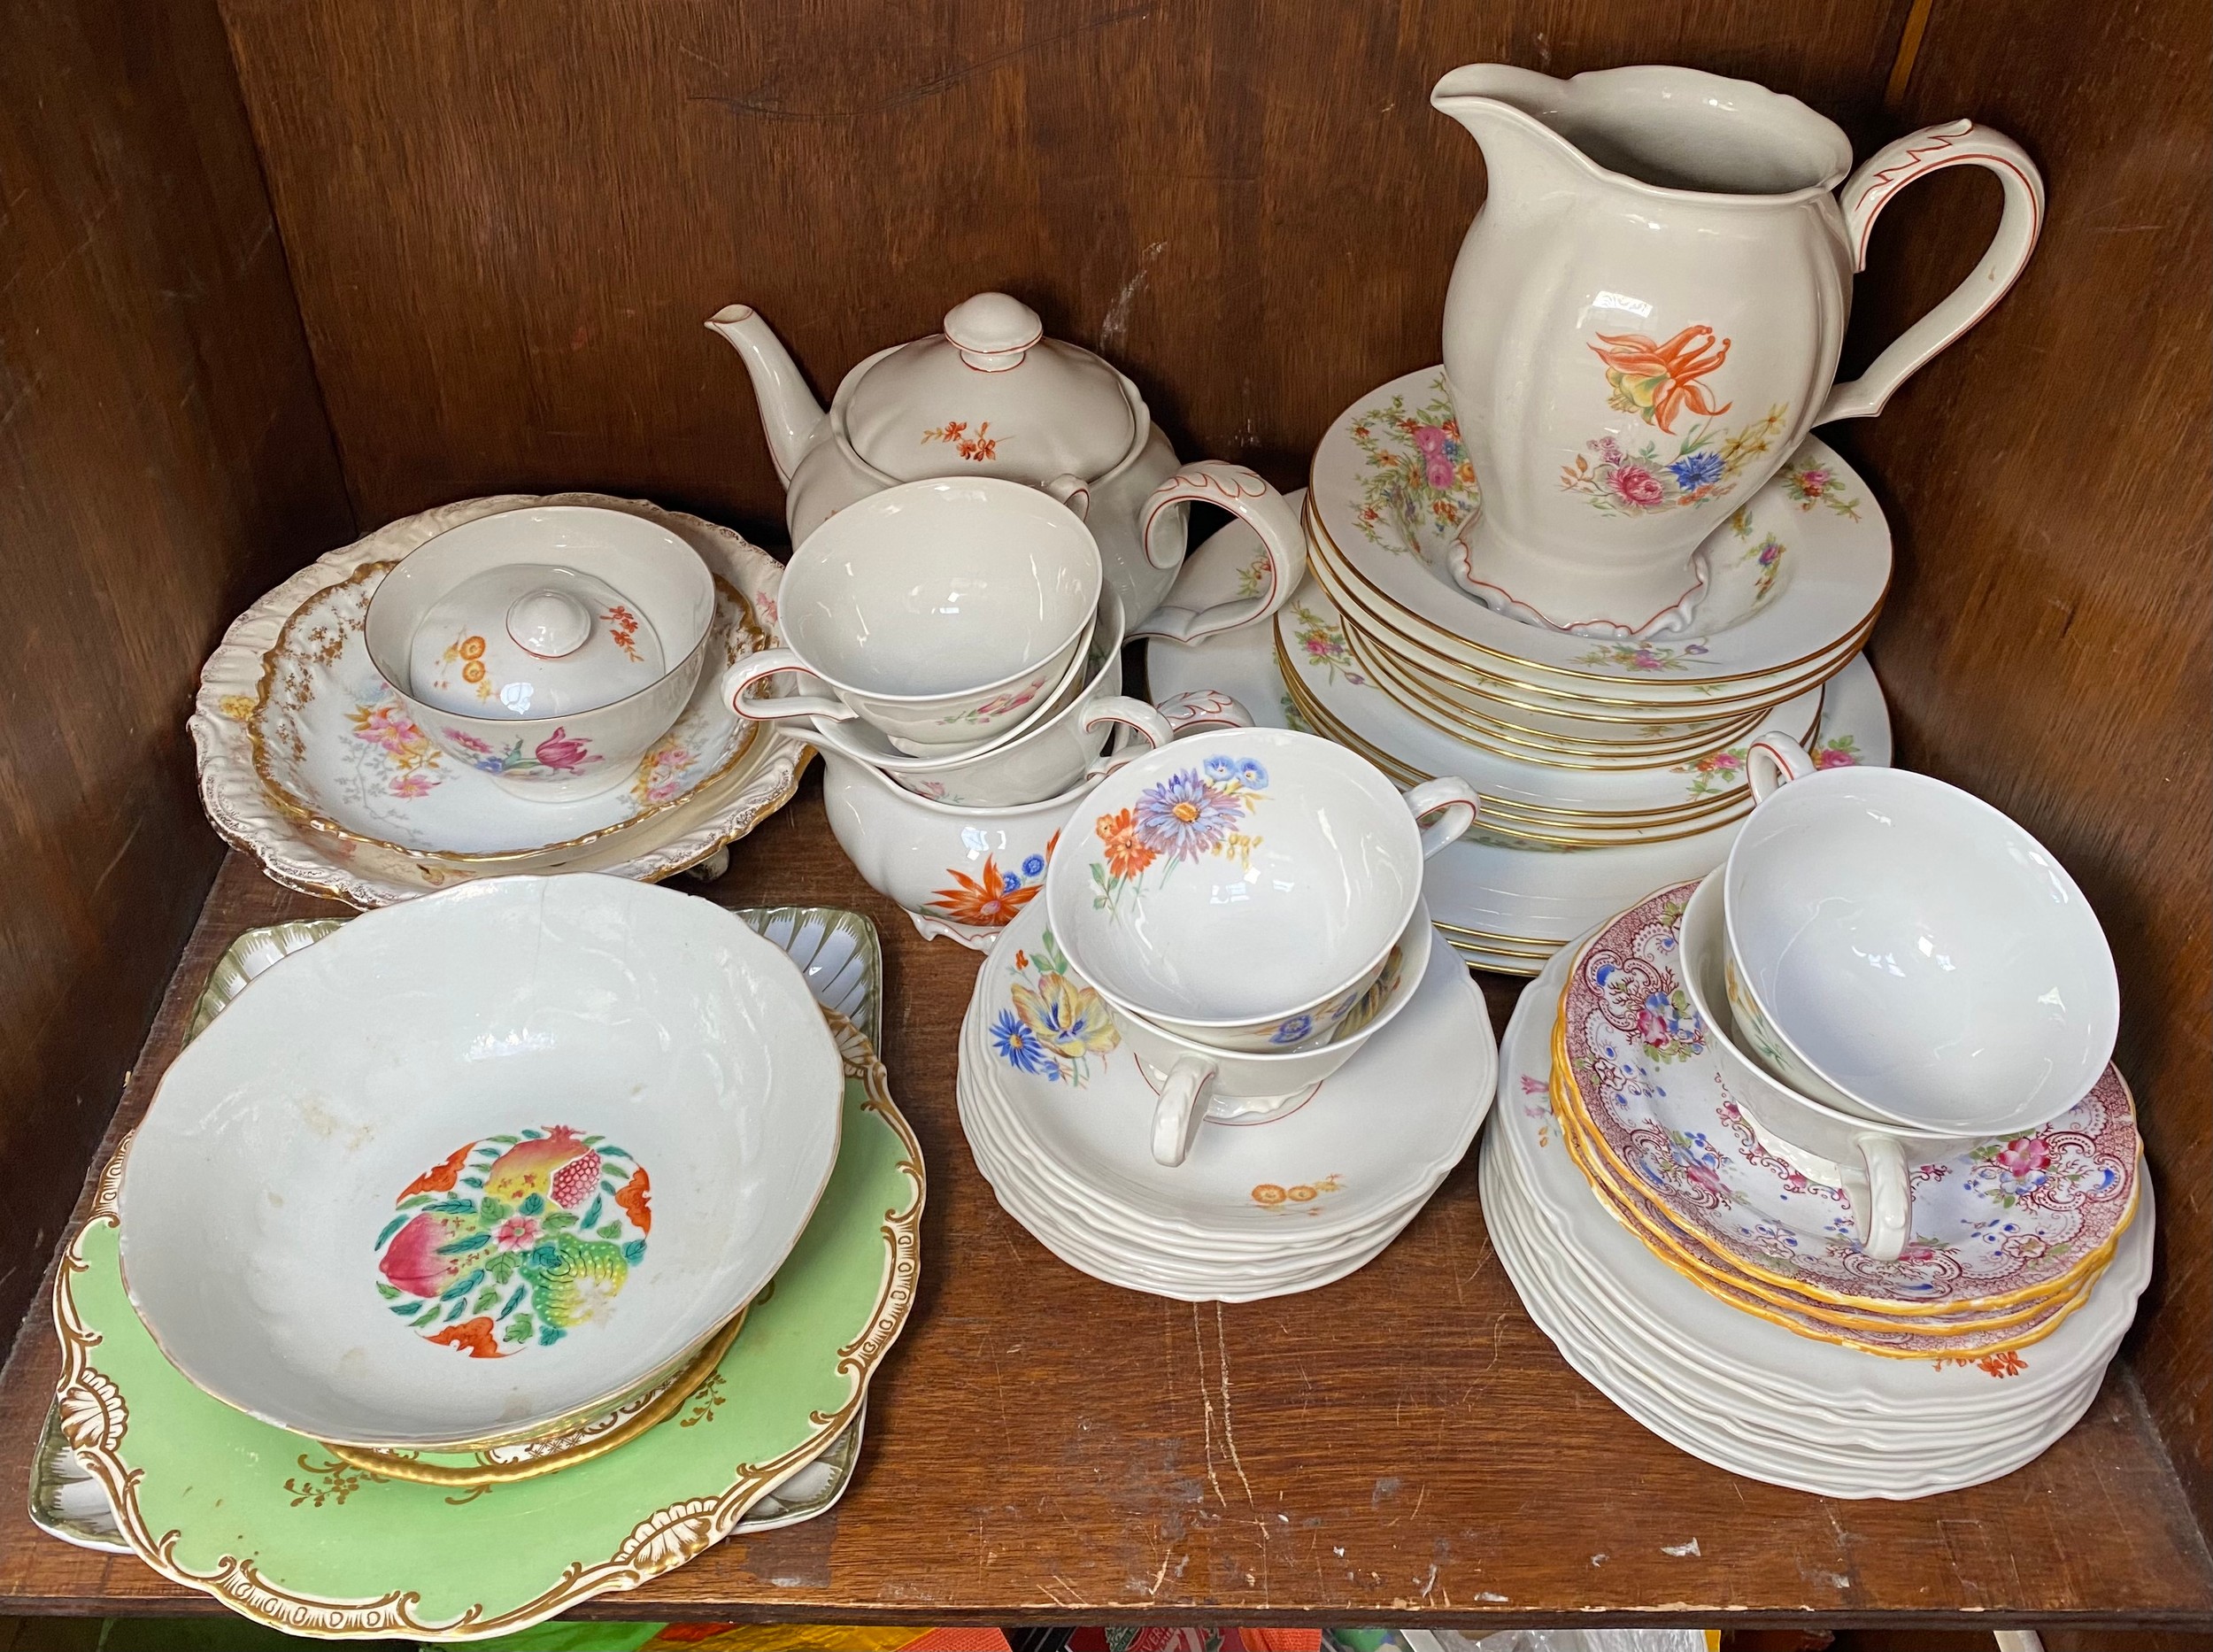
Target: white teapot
[(992, 396)]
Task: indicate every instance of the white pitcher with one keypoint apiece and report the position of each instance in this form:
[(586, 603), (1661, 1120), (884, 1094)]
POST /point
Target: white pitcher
[(1645, 319)]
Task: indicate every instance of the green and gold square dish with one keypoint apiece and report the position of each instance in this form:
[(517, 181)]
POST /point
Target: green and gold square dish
[(283, 1531)]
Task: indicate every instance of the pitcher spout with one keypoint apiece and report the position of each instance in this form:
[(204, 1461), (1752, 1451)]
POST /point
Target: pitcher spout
[(790, 415), (1505, 110)]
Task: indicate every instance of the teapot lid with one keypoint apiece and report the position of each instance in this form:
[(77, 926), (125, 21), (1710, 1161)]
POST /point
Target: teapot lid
[(992, 395), (532, 639)]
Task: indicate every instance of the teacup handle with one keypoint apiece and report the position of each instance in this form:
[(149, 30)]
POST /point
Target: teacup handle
[(1149, 725), (1773, 761), (1888, 1218), (1181, 1109), (1874, 186), (1452, 797), (767, 663), (1240, 491)]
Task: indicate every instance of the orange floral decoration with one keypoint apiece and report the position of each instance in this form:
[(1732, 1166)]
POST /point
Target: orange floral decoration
[(474, 1337), (1126, 857), (1657, 381), (985, 900), (442, 1178)]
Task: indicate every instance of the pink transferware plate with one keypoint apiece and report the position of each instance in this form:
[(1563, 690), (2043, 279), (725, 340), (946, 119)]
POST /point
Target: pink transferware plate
[(2000, 1218)]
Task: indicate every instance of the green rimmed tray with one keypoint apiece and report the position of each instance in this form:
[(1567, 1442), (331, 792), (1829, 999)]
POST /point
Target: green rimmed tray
[(269, 1523)]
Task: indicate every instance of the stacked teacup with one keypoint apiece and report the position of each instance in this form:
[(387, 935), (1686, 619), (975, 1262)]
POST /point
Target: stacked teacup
[(1853, 1084), (1232, 934), (972, 655)]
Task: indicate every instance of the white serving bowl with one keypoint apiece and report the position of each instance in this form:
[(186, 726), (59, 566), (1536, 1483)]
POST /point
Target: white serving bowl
[(1239, 886), (945, 613), (577, 754), (1898, 948), (335, 1136)]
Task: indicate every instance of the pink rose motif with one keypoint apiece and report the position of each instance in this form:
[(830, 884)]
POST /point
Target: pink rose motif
[(1707, 1181), (1814, 481), (1652, 1027), (1636, 485), (2025, 1156), (559, 753), (1435, 462), (516, 1233), (1834, 757)]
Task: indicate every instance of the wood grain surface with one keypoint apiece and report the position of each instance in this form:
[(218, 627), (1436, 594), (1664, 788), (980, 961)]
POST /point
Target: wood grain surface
[(507, 223), (1404, 1443), (2049, 481), (162, 457)]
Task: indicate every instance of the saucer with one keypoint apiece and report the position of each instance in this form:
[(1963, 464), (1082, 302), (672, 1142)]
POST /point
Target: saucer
[(692, 828), (1995, 1224), (282, 1532), (1802, 566), (1376, 1136)]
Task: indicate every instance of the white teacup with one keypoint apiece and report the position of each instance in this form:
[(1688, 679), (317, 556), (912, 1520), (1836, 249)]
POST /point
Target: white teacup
[(1198, 1081), (946, 613), (1901, 950), (1866, 1158), (1041, 761), (1242, 888)]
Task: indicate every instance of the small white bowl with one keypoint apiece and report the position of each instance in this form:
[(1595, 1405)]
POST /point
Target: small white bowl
[(1239, 885), (578, 754), (616, 1101), (945, 613), (1898, 948)]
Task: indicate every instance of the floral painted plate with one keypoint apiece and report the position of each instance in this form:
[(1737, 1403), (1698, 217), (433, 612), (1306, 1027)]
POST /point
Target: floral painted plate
[(282, 1532), (1383, 1130), (1802, 566), (1994, 1223), (364, 874), (339, 751)]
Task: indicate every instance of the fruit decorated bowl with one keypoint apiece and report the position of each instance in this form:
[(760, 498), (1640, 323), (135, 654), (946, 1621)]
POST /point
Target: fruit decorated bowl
[(481, 1163)]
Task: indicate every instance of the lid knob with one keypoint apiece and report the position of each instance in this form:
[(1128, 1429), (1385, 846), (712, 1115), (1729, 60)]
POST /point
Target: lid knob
[(992, 331), (549, 623)]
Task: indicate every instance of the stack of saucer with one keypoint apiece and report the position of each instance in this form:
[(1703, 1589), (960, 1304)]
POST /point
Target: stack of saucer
[(1925, 1167), (1224, 1056), (536, 1240), (1626, 755), (312, 759)]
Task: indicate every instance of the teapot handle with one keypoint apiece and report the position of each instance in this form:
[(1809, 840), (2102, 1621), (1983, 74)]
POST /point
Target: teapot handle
[(1873, 187), (1281, 569)]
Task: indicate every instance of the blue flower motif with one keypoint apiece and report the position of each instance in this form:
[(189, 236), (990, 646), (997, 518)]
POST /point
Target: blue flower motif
[(1182, 817), (1695, 471), (1220, 768), (1253, 774), (1033, 867), (1019, 1048), (1291, 1030), (1010, 882)]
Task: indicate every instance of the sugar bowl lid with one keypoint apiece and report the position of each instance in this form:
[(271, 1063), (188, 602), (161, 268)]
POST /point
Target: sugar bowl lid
[(532, 639), (992, 396)]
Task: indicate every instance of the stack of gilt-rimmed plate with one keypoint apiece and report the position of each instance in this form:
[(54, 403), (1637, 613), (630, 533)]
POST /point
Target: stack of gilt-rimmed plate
[(1059, 1114), (309, 760), (1721, 1298), (761, 1427)]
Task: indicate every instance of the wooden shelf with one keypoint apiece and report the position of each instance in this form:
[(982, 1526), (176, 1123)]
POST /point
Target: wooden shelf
[(1402, 1446)]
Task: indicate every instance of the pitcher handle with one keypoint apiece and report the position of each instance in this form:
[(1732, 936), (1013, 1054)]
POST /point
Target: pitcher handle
[(1872, 188), (1239, 491)]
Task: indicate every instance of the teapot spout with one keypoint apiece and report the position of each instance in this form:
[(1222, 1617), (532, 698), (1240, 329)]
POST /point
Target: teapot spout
[(790, 415)]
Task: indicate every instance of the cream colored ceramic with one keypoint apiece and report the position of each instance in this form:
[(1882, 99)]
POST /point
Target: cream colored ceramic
[(992, 396), (1900, 949), (638, 1079), (621, 607), (688, 800), (1866, 1158), (1198, 1082), (1237, 886), (1038, 760), (961, 872), (945, 613), (1645, 319)]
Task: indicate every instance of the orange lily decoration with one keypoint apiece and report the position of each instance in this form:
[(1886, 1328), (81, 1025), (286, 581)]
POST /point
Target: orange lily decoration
[(985, 902), (1656, 381)]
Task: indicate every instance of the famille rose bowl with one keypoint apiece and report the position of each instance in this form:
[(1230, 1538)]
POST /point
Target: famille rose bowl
[(548, 646), (548, 1136), (1243, 887)]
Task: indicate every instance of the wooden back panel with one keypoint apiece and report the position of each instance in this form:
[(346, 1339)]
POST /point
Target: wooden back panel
[(162, 457)]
